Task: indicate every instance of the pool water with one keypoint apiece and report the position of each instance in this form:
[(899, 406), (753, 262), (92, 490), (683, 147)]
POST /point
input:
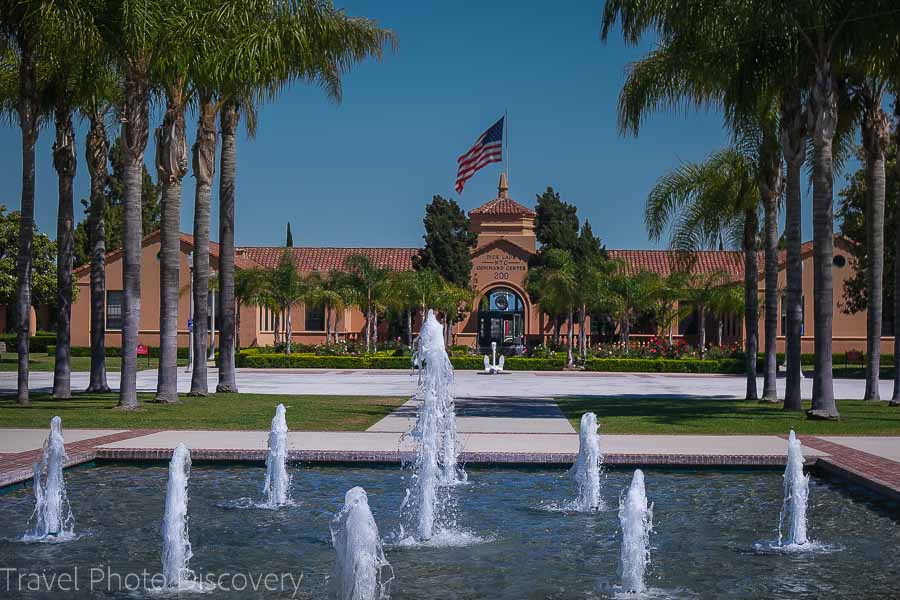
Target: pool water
[(712, 528)]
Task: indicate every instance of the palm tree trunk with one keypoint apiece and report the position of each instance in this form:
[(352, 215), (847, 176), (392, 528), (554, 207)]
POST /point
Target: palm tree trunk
[(751, 299), (720, 325), (793, 134), (65, 161), (409, 326), (227, 180), (770, 162), (895, 397), (582, 334), (825, 114), (626, 334), (375, 330), (96, 156), (237, 326), (134, 138), (875, 132), (701, 317), (28, 115), (570, 342), (171, 164), (289, 333), (204, 169)]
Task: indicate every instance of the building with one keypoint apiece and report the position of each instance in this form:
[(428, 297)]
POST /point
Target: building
[(504, 312)]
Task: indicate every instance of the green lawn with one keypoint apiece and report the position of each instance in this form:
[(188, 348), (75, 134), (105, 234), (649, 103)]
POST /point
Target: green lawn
[(702, 416), (216, 411), (39, 361)]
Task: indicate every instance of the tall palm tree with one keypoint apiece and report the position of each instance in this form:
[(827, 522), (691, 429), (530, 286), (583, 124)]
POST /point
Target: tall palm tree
[(134, 31), (309, 41), (100, 97), (171, 166), (876, 131), (21, 27), (714, 204)]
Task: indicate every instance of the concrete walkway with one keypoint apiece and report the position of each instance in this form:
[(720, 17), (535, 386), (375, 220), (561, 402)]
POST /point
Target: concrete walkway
[(522, 384)]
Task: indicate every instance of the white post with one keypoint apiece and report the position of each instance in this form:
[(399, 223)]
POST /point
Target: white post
[(190, 260), (212, 332), (493, 354)]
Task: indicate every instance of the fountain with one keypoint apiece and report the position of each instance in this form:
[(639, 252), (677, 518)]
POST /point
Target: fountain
[(636, 519), (52, 513), (360, 563), (278, 483), (176, 551), (435, 466), (586, 470), (796, 494)]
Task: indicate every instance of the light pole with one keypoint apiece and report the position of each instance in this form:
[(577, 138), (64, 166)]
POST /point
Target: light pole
[(212, 331), (190, 261)]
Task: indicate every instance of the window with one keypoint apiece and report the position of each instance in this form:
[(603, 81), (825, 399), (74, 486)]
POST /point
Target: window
[(784, 314), (266, 319), (114, 311), (839, 261), (315, 318)]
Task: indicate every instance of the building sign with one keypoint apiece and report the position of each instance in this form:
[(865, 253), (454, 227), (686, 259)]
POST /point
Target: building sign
[(496, 266)]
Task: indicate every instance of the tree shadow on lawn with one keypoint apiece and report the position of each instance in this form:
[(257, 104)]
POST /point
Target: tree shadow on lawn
[(687, 413)]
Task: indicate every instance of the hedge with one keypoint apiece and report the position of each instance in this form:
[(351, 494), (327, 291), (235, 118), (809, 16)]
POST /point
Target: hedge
[(664, 365), (838, 358), (114, 351), (256, 360), (36, 343)]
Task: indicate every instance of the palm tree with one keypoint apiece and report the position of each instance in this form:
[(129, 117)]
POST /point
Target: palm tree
[(97, 106), (367, 282), (171, 165), (714, 204), (134, 31), (555, 282), (669, 296), (453, 301), (310, 41), (703, 291), (627, 296), (21, 24), (287, 288), (248, 291), (876, 131)]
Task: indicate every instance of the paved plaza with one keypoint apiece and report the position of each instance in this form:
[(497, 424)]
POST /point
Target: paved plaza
[(468, 383)]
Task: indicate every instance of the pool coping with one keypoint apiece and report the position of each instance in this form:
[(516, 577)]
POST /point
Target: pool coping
[(877, 474)]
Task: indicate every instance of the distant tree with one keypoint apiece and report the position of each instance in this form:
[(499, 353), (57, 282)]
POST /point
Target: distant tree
[(588, 247), (851, 212), (115, 199), (556, 222), (448, 242), (43, 264), (289, 239)]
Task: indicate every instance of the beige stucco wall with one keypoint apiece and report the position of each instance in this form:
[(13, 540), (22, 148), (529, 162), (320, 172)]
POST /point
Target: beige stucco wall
[(848, 330)]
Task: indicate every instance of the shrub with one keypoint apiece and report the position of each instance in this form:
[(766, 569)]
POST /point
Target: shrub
[(663, 365), (36, 343)]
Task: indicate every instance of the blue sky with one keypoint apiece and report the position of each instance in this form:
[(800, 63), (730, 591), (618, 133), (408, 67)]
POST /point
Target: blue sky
[(360, 173)]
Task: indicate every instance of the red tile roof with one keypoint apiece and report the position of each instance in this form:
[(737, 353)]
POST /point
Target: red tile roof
[(664, 262), (241, 261), (325, 259), (503, 206)]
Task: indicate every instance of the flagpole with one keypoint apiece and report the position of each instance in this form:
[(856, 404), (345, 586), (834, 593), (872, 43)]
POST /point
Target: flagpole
[(506, 136)]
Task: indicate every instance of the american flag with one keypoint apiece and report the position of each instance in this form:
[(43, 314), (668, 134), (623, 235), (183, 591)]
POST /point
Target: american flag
[(488, 149)]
